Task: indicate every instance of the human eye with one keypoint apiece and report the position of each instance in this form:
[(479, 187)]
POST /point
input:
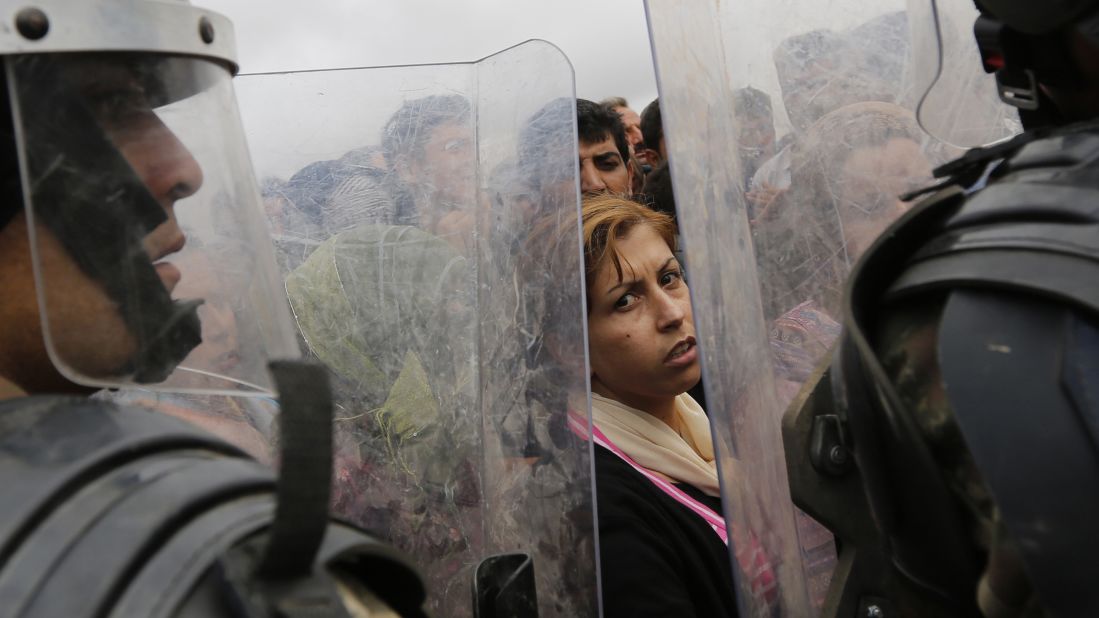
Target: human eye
[(625, 301), (671, 277), (608, 164), (455, 145), (117, 105)]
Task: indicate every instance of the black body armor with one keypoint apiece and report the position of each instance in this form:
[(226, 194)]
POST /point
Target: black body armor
[(907, 460), (116, 511)]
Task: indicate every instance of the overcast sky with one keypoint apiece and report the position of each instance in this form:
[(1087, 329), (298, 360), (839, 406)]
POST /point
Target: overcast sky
[(606, 40)]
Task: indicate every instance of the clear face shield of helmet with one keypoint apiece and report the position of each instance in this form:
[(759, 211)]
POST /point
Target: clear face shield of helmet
[(151, 257), (417, 210), (958, 101), (768, 251)]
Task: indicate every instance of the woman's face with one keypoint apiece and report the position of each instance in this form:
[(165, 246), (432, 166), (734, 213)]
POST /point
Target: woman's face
[(641, 335)]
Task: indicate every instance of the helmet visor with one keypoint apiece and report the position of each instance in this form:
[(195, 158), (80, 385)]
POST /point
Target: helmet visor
[(150, 252)]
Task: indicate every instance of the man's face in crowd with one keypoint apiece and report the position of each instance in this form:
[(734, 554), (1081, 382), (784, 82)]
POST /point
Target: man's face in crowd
[(446, 164), (602, 169), (632, 122), (86, 327), (756, 136)]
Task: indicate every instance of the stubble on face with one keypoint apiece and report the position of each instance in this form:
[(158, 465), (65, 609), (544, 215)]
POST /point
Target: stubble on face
[(86, 328), (602, 169)]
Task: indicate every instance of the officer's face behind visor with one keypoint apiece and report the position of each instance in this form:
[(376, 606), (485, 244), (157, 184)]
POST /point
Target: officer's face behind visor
[(134, 167)]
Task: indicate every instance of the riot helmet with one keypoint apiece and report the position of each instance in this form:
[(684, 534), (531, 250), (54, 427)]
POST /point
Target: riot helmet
[(1041, 60), (1036, 60), (126, 159), (1029, 18), (131, 231)]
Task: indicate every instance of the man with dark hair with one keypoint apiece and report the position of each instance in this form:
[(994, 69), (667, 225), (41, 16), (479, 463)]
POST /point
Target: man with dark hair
[(604, 150), (428, 148), (652, 132), (632, 122)]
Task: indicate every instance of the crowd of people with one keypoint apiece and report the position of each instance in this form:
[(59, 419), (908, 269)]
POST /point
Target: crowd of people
[(472, 296), (383, 247)]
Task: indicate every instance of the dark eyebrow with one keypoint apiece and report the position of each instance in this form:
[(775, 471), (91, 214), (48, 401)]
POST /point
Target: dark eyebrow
[(606, 156), (631, 282)]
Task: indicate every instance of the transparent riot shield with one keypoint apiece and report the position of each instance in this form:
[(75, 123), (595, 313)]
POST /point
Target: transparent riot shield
[(959, 103), (413, 208), (791, 134)]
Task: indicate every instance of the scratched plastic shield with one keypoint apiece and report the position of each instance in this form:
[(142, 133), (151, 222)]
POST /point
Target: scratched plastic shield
[(958, 101), (792, 133), (152, 264), (414, 209)]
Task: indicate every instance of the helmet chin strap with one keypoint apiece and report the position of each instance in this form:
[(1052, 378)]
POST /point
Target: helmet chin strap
[(1022, 64), (89, 197)]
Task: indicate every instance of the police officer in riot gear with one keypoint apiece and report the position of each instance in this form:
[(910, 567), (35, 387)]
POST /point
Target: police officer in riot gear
[(122, 146), (952, 443)]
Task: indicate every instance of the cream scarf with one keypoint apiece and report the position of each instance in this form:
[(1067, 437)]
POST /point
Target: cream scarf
[(686, 457)]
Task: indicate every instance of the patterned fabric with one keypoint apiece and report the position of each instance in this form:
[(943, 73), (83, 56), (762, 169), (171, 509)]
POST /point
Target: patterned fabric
[(800, 340)]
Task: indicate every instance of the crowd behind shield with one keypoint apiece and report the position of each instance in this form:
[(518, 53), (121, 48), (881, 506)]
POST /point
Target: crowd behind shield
[(411, 274), (417, 272)]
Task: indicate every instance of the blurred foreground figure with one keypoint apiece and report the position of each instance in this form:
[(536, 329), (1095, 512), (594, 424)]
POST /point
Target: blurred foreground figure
[(129, 213), (952, 443)]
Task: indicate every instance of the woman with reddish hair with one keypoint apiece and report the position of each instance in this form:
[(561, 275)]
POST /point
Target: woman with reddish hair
[(662, 538)]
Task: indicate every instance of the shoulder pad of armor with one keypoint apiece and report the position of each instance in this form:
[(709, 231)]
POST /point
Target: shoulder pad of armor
[(122, 511), (1034, 228), (1036, 146)]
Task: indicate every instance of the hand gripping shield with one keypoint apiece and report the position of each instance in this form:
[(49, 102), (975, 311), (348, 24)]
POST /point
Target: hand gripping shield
[(414, 209)]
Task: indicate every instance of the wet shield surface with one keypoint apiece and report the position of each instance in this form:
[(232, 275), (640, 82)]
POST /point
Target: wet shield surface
[(792, 132), (412, 209)]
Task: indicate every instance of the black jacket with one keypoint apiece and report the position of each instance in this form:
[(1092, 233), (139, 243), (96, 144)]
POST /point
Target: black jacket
[(657, 557)]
